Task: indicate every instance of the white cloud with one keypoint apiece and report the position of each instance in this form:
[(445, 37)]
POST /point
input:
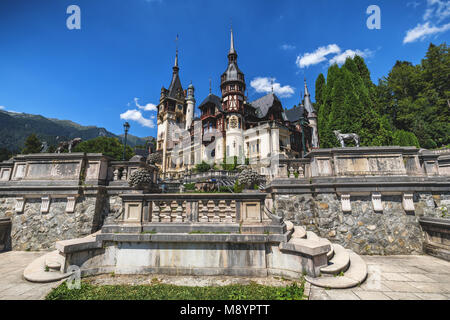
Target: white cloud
[(287, 47), (340, 58), (413, 4), (147, 107), (136, 115), (436, 12), (439, 9), (2, 107), (317, 56), (265, 85), (421, 31)]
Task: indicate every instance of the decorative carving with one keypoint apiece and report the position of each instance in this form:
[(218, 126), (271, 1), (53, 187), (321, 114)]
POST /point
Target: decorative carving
[(345, 202), (20, 204), (70, 206), (376, 202), (408, 202), (45, 204), (346, 136)]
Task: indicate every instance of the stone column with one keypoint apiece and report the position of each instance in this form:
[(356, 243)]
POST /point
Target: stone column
[(228, 217), (204, 217), (156, 211), (216, 211), (179, 211)]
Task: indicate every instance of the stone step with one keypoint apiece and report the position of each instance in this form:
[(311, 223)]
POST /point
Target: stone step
[(355, 275), (35, 271), (312, 236), (299, 232), (339, 262), (53, 260)]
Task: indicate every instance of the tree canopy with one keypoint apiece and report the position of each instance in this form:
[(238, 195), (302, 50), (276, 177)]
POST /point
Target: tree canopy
[(409, 107), (32, 144), (108, 146)]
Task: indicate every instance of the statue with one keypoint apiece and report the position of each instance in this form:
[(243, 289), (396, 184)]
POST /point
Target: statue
[(68, 144), (346, 136)]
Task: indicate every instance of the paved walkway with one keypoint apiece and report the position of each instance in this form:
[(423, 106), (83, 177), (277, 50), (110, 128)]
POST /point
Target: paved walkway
[(390, 278), (12, 284), (396, 278)]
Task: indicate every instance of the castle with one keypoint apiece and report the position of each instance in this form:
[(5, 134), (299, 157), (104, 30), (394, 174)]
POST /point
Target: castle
[(231, 129)]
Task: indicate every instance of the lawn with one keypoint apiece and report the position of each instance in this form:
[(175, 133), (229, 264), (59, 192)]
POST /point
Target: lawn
[(159, 291)]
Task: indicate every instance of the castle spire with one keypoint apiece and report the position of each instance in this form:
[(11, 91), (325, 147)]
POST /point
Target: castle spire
[(307, 101), (232, 42), (175, 66)]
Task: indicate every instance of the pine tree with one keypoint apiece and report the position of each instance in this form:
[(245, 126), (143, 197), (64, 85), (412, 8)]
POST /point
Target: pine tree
[(348, 105), (32, 144), (320, 83)]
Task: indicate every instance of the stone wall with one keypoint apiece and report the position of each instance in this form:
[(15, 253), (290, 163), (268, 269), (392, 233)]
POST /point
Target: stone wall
[(33, 230), (392, 231)]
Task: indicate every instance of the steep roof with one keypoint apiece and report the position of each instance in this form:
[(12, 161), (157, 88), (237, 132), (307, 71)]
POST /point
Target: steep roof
[(175, 84), (263, 104), (308, 104), (212, 98), (294, 114)]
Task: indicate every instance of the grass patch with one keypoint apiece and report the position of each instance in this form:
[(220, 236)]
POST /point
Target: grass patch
[(158, 291), (149, 232)]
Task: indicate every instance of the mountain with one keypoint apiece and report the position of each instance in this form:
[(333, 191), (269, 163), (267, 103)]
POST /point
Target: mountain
[(16, 127)]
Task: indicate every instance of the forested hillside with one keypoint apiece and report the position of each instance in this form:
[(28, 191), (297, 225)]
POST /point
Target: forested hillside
[(16, 127)]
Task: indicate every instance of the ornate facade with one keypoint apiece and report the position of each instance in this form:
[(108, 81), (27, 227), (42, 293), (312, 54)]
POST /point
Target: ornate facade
[(230, 128)]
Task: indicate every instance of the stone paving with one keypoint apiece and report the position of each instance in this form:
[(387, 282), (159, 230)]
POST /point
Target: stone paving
[(390, 278), (12, 284), (415, 277)]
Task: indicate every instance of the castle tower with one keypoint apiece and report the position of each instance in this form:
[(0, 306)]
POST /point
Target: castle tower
[(312, 118), (171, 115), (232, 84), (190, 106)]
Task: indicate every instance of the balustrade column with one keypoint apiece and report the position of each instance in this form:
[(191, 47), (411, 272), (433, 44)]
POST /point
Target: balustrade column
[(204, 217), (179, 217), (228, 212), (156, 211), (167, 211), (216, 211)]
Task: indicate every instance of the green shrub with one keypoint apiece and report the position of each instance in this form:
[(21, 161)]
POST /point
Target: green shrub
[(202, 167), (159, 291), (405, 139), (189, 186), (237, 188)]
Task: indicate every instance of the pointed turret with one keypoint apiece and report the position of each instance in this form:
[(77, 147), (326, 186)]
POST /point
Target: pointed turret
[(232, 43), (308, 105), (232, 73), (175, 85)]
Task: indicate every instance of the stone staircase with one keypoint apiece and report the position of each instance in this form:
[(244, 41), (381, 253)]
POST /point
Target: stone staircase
[(46, 268), (345, 268)]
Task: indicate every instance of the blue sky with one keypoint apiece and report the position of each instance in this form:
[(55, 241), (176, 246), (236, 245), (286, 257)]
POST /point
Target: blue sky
[(125, 50)]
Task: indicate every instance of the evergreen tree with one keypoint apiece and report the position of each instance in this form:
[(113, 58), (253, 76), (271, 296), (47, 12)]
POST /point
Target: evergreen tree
[(348, 105), (405, 138), (32, 144), (417, 98), (320, 83)]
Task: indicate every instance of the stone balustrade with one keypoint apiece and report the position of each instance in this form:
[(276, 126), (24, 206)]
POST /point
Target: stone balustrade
[(156, 211), (367, 161)]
